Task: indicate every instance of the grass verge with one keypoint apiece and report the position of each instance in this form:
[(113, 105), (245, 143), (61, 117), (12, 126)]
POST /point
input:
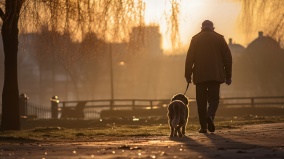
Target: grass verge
[(113, 129)]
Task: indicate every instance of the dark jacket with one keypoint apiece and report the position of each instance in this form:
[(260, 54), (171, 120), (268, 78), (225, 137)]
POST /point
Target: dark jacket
[(208, 58)]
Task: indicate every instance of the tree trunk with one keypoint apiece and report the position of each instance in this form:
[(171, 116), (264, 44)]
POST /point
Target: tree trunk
[(10, 96)]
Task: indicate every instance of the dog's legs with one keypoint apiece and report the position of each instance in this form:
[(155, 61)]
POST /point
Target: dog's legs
[(171, 127), (172, 131), (179, 132), (171, 117), (183, 130), (183, 123), (176, 131)]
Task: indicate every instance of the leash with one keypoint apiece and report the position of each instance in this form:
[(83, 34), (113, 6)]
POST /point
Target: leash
[(186, 88)]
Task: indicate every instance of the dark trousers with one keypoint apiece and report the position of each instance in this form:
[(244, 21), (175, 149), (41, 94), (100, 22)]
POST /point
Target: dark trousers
[(207, 92)]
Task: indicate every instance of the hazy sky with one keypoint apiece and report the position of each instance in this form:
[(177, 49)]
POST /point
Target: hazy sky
[(223, 13)]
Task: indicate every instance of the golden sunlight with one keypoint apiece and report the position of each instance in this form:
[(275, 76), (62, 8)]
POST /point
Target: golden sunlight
[(224, 15)]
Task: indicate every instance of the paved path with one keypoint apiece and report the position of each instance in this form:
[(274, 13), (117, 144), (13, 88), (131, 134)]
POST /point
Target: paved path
[(265, 141)]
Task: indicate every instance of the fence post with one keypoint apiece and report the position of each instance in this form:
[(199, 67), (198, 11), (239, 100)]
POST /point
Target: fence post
[(252, 102), (54, 107), (151, 104), (23, 103)]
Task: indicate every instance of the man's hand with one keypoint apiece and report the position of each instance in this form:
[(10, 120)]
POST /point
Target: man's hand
[(228, 81)]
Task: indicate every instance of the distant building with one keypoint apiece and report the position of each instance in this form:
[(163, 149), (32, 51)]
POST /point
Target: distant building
[(236, 49), (264, 66), (263, 44), (146, 40)]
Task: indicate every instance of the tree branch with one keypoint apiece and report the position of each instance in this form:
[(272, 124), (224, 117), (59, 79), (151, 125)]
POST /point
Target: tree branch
[(2, 14)]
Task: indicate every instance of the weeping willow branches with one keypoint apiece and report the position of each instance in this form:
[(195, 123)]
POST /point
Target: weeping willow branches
[(173, 22), (267, 15), (107, 18), (110, 20)]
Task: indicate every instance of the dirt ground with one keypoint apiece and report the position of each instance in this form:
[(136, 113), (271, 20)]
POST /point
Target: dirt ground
[(265, 141)]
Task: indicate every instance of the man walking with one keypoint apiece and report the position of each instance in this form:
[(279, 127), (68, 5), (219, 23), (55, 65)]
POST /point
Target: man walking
[(209, 59)]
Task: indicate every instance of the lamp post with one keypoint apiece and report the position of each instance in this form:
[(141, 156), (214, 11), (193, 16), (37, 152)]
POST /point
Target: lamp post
[(111, 76), (121, 63)]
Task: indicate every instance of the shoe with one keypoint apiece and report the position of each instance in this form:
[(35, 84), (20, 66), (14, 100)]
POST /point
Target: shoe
[(211, 126), (202, 130)]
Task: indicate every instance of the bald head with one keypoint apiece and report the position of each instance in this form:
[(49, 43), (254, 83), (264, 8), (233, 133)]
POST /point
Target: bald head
[(207, 24)]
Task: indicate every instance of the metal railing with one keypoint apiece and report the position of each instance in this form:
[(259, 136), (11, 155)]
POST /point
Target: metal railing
[(34, 111), (38, 111), (118, 103), (157, 103), (272, 101), (133, 104), (92, 108)]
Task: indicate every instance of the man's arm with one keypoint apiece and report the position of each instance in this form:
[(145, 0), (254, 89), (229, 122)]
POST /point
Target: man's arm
[(189, 62), (227, 60)]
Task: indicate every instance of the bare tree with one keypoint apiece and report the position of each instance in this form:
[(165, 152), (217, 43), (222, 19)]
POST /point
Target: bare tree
[(10, 96)]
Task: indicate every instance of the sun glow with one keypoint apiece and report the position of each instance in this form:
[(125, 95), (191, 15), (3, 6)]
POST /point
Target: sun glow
[(224, 15)]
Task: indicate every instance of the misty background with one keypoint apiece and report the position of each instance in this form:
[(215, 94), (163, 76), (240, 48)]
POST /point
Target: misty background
[(51, 63)]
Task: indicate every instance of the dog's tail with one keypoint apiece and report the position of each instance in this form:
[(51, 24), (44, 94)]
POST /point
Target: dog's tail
[(176, 120)]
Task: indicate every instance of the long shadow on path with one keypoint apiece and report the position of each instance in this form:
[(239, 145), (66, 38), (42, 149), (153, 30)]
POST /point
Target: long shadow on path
[(218, 146)]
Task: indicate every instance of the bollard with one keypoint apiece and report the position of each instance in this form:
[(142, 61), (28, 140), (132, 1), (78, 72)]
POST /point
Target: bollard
[(54, 107), (23, 104)]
